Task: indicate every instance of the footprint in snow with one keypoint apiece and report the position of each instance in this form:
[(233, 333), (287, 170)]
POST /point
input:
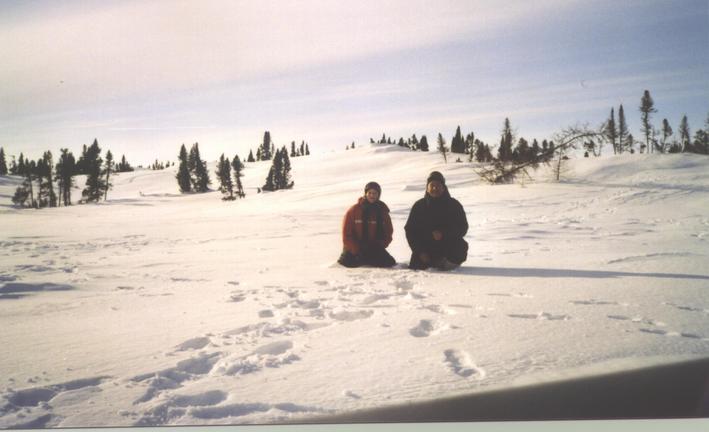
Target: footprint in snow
[(426, 328), (543, 316), (461, 364)]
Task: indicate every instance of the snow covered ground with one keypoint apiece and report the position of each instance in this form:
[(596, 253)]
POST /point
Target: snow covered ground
[(158, 308)]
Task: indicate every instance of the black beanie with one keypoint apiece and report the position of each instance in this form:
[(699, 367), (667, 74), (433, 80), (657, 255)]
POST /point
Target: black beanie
[(373, 185), (435, 175)]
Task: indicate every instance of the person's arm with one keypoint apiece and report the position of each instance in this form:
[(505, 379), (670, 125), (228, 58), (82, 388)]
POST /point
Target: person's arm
[(349, 238), (413, 229), (388, 230), (458, 225)]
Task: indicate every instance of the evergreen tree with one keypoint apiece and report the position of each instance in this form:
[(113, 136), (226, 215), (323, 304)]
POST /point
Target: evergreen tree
[(457, 144), (286, 182), (292, 149), (624, 144), (238, 167), (535, 150), (21, 165), (3, 163), (266, 146), (480, 153), (521, 152), (611, 132), (198, 170), (13, 166), (401, 142), (95, 186), (414, 142), (25, 190), (647, 107), (66, 168), (442, 148), (302, 148), (47, 180), (184, 180), (666, 133), (226, 186), (251, 157), (470, 146), (504, 152), (684, 135), (107, 171), (259, 154), (423, 145), (124, 166), (353, 144), (701, 142), (81, 164), (307, 150)]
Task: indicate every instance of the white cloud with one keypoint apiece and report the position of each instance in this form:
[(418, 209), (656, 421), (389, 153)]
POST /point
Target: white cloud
[(128, 49)]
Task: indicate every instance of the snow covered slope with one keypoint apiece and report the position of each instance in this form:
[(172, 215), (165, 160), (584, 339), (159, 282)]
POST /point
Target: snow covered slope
[(159, 308)]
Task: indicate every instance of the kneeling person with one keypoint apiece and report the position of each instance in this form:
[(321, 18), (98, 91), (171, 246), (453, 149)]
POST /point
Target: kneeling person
[(436, 227), (367, 231)]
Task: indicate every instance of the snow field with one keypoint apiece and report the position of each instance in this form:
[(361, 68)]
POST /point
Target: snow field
[(157, 308)]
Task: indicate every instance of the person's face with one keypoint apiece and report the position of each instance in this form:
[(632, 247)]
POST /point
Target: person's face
[(372, 196), (435, 188)]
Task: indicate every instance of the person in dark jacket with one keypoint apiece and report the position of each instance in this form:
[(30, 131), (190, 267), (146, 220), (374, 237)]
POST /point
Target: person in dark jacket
[(367, 231), (436, 227)]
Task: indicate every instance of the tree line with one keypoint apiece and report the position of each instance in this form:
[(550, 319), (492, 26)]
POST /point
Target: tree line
[(46, 175), (193, 175)]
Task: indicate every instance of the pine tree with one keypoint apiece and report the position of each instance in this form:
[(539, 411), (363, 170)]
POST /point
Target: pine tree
[(666, 133), (47, 180), (251, 157), (238, 167), (624, 144), (442, 148), (184, 180), (611, 132), (107, 171), (302, 148), (457, 144), (470, 146), (266, 146), (3, 163), (94, 180), (353, 144), (521, 152), (25, 190), (292, 149), (66, 168), (124, 166), (226, 186), (423, 145), (684, 135), (286, 181), (21, 165), (504, 152), (198, 170), (81, 165), (647, 107), (414, 142), (307, 150)]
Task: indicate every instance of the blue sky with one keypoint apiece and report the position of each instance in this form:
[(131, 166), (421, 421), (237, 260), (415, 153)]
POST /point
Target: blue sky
[(146, 76)]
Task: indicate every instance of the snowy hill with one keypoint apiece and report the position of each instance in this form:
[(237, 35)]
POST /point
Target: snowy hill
[(159, 308)]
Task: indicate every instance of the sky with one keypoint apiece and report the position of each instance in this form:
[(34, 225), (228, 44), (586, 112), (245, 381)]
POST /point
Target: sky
[(144, 77)]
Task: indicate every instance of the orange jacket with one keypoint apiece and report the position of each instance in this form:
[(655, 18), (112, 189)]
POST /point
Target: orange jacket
[(353, 226)]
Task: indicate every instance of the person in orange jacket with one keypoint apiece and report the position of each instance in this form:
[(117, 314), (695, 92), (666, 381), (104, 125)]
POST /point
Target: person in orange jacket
[(367, 231)]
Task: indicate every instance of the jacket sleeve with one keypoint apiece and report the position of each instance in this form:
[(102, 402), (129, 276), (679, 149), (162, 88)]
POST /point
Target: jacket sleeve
[(458, 226), (413, 229), (349, 239), (388, 230)]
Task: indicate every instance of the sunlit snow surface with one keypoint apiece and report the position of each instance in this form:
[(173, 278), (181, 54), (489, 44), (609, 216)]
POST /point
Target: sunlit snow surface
[(159, 308)]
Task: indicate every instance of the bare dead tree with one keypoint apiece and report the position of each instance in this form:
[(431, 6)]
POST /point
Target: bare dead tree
[(499, 172)]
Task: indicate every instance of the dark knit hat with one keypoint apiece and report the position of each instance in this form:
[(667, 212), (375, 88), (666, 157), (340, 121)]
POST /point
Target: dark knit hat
[(435, 175), (373, 185)]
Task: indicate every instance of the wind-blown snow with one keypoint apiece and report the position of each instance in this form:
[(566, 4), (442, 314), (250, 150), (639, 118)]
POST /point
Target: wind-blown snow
[(159, 308)]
